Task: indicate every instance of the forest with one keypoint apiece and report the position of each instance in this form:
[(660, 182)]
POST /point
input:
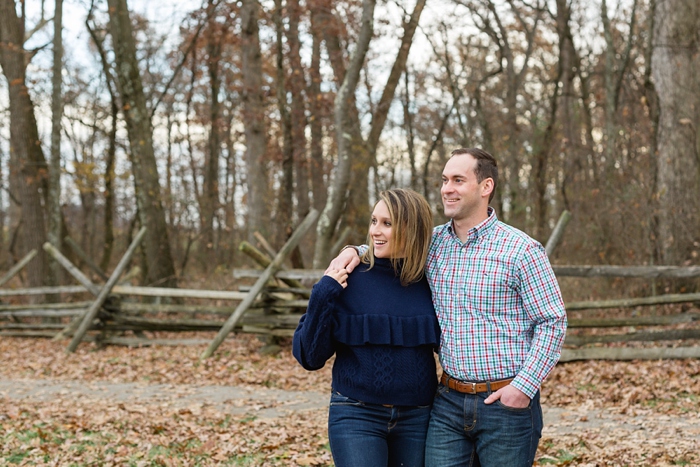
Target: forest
[(208, 122)]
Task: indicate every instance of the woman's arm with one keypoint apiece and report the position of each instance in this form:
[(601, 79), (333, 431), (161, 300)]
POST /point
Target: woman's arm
[(313, 339)]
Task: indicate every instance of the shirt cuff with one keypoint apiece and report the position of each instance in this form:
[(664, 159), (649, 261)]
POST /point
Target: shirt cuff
[(357, 249), (525, 386)]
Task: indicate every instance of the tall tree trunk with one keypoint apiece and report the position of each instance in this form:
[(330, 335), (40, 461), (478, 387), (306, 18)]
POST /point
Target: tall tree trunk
[(254, 119), (317, 111), (28, 162), (610, 97), (543, 151), (613, 76), (344, 99), (285, 203), (358, 210), (495, 28), (3, 213), (568, 59), (109, 183), (111, 148), (161, 270), (210, 195), (231, 178), (54, 207), (363, 152), (356, 202), (297, 84), (563, 81), (651, 99), (676, 72)]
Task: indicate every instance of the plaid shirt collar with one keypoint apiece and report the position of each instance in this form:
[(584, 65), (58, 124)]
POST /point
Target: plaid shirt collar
[(478, 231)]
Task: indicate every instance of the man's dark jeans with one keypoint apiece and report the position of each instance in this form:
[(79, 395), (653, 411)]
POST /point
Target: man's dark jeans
[(465, 432)]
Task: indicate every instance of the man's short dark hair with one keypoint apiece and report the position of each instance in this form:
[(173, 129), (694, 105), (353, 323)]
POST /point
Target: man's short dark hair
[(486, 166)]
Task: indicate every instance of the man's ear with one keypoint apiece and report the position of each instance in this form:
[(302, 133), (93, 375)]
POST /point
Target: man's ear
[(487, 187)]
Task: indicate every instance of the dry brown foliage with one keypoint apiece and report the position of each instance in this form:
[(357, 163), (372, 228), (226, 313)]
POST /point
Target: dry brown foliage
[(599, 413)]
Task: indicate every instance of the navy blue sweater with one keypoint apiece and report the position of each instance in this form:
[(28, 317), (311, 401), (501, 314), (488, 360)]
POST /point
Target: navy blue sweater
[(382, 333)]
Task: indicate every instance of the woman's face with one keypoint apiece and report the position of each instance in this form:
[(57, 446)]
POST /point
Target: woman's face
[(381, 231)]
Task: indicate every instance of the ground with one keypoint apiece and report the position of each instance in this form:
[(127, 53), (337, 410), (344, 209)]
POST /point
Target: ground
[(119, 406)]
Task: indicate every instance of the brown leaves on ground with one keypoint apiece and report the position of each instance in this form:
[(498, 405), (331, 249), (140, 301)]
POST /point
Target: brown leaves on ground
[(236, 362), (641, 413), (42, 433), (604, 413)]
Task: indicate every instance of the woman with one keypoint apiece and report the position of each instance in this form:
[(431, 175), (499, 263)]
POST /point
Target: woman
[(380, 323)]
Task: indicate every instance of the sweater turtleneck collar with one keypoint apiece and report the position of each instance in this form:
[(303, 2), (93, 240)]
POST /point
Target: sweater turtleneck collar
[(386, 263)]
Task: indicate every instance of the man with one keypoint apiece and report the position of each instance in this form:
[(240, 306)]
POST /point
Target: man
[(503, 324)]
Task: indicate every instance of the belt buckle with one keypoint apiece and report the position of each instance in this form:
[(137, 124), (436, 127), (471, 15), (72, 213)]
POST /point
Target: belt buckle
[(473, 388)]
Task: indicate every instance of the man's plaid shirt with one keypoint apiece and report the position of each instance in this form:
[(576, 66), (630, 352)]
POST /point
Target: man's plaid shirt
[(498, 303)]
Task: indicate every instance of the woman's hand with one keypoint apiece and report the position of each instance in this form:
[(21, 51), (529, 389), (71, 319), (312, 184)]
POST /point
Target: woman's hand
[(347, 259), (340, 275)]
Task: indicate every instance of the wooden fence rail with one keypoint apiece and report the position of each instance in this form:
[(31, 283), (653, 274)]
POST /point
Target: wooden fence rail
[(274, 304), (645, 272)]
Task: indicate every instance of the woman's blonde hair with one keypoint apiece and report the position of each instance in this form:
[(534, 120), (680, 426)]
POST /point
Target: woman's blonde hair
[(412, 230)]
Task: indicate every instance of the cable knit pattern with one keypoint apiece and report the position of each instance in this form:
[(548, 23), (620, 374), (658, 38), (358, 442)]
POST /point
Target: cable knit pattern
[(383, 336)]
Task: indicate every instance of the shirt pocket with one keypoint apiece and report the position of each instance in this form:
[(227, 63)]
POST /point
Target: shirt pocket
[(492, 293)]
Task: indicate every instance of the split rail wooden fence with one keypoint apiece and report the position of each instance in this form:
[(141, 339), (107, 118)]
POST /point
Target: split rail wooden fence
[(277, 298)]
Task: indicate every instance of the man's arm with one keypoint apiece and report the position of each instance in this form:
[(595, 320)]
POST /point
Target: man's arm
[(348, 259), (544, 307)]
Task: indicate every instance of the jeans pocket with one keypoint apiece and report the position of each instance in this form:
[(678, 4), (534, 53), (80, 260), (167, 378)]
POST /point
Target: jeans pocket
[(337, 399), (514, 409)]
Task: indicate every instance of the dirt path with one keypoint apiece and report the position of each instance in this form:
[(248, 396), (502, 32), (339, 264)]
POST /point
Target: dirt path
[(273, 403), (233, 400)]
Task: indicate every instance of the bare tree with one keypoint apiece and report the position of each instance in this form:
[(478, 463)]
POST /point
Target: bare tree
[(355, 202), (54, 207), (516, 63), (651, 100), (316, 107), (559, 115), (297, 85), (614, 74), (161, 269), (343, 100), (676, 72), (109, 175), (3, 188), (285, 203), (214, 37), (28, 166), (348, 131), (254, 118)]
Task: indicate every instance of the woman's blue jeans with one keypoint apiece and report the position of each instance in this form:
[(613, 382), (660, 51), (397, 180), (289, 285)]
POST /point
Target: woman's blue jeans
[(465, 432), (371, 435)]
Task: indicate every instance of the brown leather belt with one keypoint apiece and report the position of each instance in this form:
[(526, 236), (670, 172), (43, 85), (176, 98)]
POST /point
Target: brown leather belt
[(473, 388)]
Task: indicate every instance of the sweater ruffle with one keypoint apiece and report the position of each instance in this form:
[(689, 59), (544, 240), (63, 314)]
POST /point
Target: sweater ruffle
[(403, 331)]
